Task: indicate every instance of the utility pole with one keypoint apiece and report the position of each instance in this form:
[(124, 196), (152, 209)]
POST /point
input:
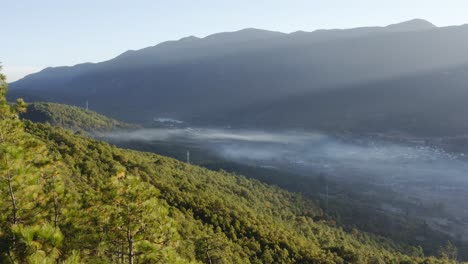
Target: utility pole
[(188, 157), (326, 197)]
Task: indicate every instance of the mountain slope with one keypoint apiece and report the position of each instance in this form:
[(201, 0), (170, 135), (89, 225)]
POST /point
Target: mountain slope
[(67, 198), (428, 104), (348, 210), (250, 219), (71, 117), (192, 79)]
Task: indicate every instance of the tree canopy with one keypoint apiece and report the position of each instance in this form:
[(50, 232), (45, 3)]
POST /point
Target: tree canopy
[(66, 198)]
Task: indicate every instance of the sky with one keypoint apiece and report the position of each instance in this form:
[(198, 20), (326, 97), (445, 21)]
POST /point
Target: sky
[(39, 34)]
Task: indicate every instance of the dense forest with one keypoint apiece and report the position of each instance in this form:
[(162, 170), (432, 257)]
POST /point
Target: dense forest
[(67, 198), (352, 202), (71, 117)]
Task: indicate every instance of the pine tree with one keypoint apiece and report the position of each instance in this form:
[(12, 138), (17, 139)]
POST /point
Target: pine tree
[(136, 224), (449, 251), (25, 234)]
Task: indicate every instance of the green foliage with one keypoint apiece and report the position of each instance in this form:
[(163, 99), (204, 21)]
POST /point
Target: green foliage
[(71, 117), (233, 219), (39, 243), (25, 171), (70, 199), (135, 222), (349, 205), (449, 251), (20, 105)]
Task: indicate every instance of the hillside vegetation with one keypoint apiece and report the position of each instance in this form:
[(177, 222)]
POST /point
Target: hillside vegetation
[(70, 199), (71, 117)]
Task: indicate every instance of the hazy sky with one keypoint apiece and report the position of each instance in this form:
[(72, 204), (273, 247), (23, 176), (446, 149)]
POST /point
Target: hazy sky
[(37, 34)]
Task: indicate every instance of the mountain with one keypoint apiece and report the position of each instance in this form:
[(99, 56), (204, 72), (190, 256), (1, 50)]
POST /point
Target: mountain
[(411, 25), (349, 208), (69, 199), (427, 104), (199, 80)]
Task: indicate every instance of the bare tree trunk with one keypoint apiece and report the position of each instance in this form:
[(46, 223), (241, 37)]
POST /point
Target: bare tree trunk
[(130, 247), (122, 255), (208, 256), (129, 239), (15, 210), (208, 252), (13, 200), (56, 212)]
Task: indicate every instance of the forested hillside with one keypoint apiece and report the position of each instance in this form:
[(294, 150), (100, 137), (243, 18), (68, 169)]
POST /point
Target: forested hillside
[(71, 117), (70, 199)]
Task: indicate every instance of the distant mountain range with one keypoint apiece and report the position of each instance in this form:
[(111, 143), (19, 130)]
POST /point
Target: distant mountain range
[(410, 77)]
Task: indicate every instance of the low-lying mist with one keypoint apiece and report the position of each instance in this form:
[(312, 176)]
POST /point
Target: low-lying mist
[(414, 171), (343, 155)]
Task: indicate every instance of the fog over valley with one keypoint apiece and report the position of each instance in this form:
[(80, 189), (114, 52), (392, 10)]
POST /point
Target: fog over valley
[(290, 132), (419, 171)]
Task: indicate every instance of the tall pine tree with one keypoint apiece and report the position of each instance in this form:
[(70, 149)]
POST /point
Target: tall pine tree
[(26, 233)]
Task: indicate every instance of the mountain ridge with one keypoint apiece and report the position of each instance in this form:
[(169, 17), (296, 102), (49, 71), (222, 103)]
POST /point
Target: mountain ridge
[(196, 78), (414, 24)]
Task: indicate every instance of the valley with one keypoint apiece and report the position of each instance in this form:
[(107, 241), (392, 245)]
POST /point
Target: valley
[(401, 178), (323, 143)]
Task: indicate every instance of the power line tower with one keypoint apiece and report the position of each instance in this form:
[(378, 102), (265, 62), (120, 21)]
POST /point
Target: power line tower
[(323, 182), (326, 197)]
